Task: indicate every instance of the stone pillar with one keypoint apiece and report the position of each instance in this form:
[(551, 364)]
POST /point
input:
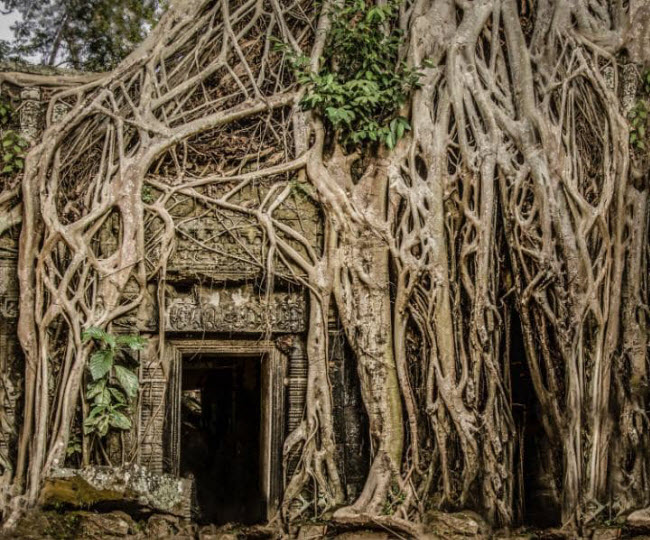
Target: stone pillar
[(296, 383), (350, 420), (152, 411), (31, 117), (11, 366)]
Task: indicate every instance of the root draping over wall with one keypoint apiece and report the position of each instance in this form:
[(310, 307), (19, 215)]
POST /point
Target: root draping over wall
[(515, 189)]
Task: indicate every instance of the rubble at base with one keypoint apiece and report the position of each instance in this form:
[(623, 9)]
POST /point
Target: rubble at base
[(132, 487)]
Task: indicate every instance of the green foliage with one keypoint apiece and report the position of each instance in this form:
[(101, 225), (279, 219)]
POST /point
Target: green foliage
[(394, 500), (361, 84), (638, 119), (302, 190), (74, 446), (147, 194), (113, 384), (645, 82), (14, 146), (638, 115), (83, 34)]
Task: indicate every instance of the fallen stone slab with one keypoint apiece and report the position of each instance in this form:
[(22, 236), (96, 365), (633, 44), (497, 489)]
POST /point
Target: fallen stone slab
[(103, 526), (639, 519), (455, 525), (120, 487)]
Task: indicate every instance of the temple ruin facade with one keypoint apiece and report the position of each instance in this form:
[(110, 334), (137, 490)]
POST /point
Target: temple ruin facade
[(234, 367)]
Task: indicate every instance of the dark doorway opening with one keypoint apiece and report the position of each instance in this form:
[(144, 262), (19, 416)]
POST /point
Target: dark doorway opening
[(221, 438), (537, 462)]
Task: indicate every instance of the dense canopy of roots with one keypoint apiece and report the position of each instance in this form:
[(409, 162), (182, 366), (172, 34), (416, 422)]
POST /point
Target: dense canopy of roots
[(516, 189)]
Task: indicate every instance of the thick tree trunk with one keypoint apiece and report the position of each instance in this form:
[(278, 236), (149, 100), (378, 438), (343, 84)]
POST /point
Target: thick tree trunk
[(518, 163)]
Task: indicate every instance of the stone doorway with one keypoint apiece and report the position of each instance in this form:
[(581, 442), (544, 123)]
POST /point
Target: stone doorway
[(224, 425), (221, 438)]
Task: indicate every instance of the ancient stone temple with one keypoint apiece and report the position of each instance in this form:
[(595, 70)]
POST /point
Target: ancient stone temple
[(216, 408)]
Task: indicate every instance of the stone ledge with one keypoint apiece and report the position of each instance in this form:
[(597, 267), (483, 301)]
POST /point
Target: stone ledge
[(118, 486)]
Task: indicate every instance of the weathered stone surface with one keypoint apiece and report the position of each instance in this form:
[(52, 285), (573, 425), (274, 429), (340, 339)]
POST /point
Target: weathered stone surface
[(639, 519), (210, 532), (311, 532), (638, 35), (606, 533), (167, 526), (365, 535), (104, 525), (455, 525), (235, 310), (132, 485)]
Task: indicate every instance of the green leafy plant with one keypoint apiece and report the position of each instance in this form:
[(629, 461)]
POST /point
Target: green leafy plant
[(14, 146), (361, 84), (645, 82), (638, 119), (301, 189), (113, 385), (395, 498), (147, 194), (74, 446), (638, 115)]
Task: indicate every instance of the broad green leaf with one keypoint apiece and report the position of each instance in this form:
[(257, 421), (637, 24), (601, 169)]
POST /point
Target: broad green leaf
[(93, 333), (135, 343), (118, 396), (128, 380), (102, 426), (95, 413), (390, 141), (101, 363), (119, 420), (103, 398), (95, 388)]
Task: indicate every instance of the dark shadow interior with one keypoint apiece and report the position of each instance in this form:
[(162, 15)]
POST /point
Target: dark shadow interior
[(538, 503), (220, 437)]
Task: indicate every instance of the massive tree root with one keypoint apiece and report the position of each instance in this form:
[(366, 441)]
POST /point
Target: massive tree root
[(516, 181)]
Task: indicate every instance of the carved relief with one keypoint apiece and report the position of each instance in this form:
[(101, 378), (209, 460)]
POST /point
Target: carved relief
[(236, 310), (223, 244), (10, 364), (206, 248), (31, 117)]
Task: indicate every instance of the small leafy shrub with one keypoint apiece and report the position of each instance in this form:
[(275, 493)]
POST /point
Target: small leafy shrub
[(361, 84), (113, 385), (14, 146)]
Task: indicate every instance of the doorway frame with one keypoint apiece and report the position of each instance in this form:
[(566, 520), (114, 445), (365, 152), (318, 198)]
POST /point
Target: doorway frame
[(272, 378)]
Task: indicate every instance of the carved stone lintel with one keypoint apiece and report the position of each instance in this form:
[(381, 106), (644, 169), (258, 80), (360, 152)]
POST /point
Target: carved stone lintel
[(237, 310)]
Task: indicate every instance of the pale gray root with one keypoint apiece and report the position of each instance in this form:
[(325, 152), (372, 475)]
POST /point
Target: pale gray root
[(516, 182)]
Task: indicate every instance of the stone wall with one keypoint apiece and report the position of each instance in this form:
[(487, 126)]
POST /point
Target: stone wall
[(216, 289)]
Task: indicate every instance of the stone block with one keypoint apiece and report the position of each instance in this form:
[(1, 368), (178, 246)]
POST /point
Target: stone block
[(119, 487)]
